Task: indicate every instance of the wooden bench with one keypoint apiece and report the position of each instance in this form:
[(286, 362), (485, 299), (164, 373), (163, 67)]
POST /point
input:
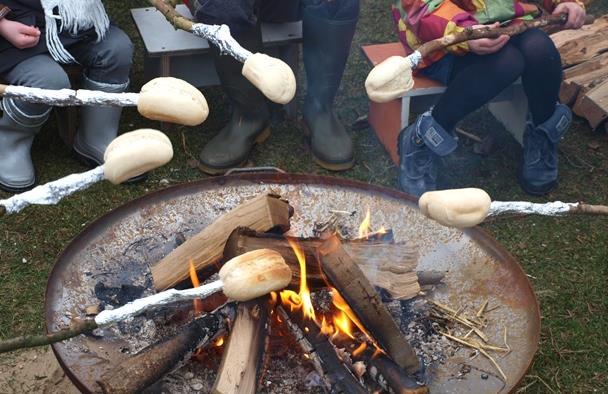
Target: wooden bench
[(388, 119), (176, 53)]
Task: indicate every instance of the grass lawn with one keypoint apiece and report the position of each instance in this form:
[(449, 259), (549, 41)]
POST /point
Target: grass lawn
[(566, 258)]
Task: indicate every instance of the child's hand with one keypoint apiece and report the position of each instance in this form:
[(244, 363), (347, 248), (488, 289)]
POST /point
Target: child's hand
[(485, 46), (20, 35), (576, 14)]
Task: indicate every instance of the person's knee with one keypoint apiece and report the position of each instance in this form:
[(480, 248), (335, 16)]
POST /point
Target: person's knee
[(119, 49), (538, 48), (509, 63), (49, 75)]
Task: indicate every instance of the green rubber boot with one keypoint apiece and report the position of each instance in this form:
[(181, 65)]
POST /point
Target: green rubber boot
[(326, 48), (249, 123)]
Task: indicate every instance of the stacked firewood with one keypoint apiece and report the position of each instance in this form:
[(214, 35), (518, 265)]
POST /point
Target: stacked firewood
[(584, 56)]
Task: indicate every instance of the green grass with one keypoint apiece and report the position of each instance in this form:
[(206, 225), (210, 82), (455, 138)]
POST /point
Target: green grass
[(567, 258)]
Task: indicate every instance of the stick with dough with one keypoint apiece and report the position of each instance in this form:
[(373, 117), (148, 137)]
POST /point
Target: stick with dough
[(165, 99), (393, 77), (273, 77), (128, 155), (464, 208)]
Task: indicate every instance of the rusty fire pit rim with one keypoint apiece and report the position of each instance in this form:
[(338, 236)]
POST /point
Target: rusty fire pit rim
[(477, 234)]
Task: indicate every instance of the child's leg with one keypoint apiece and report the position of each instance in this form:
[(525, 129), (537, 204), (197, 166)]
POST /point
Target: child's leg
[(549, 120), (542, 74), (107, 64), (475, 80), (21, 121)]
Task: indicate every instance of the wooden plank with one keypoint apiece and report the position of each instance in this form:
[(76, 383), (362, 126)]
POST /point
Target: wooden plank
[(365, 302), (262, 213), (574, 87), (241, 361)]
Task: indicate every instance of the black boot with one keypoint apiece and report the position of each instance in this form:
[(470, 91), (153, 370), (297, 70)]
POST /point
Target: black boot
[(326, 48), (249, 123)]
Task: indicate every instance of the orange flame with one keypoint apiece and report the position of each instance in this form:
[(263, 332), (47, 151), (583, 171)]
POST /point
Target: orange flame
[(304, 293), (366, 225), (197, 304), (360, 349), (326, 328)]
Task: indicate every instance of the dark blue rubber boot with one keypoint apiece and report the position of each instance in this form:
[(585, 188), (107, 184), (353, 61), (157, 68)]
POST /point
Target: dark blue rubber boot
[(540, 156), (421, 144)]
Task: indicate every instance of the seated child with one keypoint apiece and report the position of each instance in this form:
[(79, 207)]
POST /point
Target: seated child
[(475, 72), (35, 37)]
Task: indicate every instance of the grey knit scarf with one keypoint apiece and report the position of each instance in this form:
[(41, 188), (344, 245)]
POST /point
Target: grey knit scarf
[(73, 16)]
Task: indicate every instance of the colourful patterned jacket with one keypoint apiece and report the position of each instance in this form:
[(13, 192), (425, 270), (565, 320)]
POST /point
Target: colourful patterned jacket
[(419, 21)]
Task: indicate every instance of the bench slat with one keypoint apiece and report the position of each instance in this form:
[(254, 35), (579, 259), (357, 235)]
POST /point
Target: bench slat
[(161, 39)]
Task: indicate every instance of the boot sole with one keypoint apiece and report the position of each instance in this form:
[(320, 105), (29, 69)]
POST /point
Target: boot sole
[(19, 189), (260, 139), (328, 166)]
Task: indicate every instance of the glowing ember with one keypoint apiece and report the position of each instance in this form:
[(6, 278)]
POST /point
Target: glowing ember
[(219, 342), (197, 304), (360, 349)]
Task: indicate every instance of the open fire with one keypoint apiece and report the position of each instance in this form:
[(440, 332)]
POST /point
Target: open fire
[(336, 321)]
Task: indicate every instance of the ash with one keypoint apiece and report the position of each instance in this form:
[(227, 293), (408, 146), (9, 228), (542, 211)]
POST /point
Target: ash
[(413, 318)]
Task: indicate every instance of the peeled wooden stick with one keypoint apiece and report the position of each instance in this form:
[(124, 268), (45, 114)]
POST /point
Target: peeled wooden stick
[(128, 155), (393, 77), (273, 77), (165, 99), (463, 208), (243, 278)]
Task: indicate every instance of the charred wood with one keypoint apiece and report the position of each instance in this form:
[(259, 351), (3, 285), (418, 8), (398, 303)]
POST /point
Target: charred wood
[(337, 377), (387, 265), (365, 302), (151, 364)]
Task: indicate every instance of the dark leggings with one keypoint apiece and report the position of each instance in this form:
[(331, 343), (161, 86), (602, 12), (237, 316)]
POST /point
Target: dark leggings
[(476, 79)]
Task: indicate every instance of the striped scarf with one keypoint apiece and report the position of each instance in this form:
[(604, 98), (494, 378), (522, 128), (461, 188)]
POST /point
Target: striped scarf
[(73, 16)]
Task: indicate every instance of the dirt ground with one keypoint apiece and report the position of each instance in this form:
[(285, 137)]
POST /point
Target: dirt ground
[(33, 371)]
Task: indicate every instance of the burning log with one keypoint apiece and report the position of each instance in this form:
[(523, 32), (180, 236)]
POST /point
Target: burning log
[(336, 375), (262, 213), (363, 299), (150, 365), (243, 278), (239, 370), (389, 266)]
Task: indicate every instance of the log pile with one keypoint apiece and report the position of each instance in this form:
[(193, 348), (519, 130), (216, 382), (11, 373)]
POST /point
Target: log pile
[(584, 54)]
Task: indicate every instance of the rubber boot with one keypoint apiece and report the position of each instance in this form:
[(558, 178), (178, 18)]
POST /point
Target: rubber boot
[(326, 48), (98, 126), (421, 145), (540, 154), (249, 122), (17, 131)]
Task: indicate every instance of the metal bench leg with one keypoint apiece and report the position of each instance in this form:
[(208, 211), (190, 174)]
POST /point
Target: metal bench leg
[(165, 71), (290, 54), (405, 112)]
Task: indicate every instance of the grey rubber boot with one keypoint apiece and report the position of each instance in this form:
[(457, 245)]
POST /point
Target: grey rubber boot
[(421, 145), (98, 126), (17, 131), (540, 157), (326, 48), (249, 122)]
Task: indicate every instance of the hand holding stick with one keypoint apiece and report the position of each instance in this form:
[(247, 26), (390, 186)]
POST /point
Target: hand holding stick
[(243, 278), (128, 155), (392, 78), (164, 99), (273, 77), (462, 208)]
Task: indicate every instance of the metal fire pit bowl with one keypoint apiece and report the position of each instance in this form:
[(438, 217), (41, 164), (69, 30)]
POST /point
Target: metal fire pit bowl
[(120, 246)]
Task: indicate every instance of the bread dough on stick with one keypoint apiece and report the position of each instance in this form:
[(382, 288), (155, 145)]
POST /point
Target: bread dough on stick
[(389, 80), (459, 208), (271, 76), (135, 153)]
